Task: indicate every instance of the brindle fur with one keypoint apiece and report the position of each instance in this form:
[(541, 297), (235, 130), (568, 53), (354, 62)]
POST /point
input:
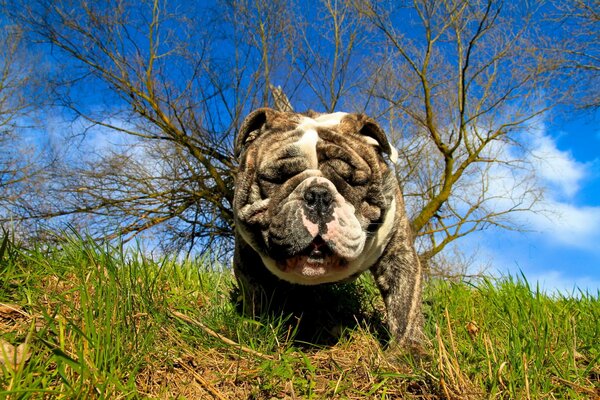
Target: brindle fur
[(396, 269)]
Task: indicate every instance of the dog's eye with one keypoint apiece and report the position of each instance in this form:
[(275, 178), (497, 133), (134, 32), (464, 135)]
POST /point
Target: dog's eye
[(347, 164), (348, 172), (281, 170)]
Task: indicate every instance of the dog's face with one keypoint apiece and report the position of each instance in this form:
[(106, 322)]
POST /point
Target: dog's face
[(315, 195)]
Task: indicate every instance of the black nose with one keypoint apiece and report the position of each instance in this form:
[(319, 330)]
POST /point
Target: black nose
[(318, 199)]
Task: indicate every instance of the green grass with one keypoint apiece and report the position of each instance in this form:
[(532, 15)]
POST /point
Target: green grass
[(101, 322)]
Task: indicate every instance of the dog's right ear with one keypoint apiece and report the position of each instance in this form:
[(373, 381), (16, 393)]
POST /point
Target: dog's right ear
[(252, 127)]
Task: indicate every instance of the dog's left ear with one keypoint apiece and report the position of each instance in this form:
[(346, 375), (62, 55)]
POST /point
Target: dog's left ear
[(252, 127), (376, 136)]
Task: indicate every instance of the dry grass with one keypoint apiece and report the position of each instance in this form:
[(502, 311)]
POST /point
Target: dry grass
[(351, 370)]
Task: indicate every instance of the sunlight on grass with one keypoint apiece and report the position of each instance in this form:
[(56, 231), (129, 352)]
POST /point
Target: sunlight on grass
[(102, 322)]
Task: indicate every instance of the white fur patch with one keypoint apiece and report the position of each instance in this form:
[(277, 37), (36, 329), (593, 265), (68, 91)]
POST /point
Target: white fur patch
[(322, 121), (308, 141), (344, 232), (393, 155), (372, 141), (308, 146)]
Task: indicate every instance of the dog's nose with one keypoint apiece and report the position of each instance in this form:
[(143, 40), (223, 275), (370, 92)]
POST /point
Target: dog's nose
[(319, 199)]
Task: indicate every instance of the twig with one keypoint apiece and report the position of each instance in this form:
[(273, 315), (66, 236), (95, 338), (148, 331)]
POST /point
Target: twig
[(204, 382), (527, 391), (12, 308), (577, 387), (214, 334)]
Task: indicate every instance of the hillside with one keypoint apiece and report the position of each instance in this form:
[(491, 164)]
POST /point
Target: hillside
[(81, 320)]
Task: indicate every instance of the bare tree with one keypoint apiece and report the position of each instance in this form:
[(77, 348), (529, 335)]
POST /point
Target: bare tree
[(330, 56), (153, 86), (263, 30), (577, 24), (21, 165), (465, 80)]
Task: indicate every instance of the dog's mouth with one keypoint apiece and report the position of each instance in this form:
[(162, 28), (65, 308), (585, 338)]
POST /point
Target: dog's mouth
[(315, 261)]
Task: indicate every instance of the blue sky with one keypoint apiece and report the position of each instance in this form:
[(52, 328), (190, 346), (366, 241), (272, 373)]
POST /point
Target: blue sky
[(561, 249)]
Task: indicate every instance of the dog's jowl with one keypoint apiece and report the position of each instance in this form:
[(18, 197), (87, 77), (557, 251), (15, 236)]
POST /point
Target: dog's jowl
[(317, 201)]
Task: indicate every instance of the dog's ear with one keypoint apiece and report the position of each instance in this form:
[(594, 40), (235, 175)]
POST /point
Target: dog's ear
[(252, 127), (376, 136)]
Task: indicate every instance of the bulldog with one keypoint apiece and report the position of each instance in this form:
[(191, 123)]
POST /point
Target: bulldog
[(316, 202)]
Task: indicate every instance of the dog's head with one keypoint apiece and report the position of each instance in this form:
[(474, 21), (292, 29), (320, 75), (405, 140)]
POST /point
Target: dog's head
[(315, 194)]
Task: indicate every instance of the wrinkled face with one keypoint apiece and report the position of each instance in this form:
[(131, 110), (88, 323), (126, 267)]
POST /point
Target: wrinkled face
[(314, 196)]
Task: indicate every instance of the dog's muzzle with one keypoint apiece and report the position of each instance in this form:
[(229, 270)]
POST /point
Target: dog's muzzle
[(318, 203)]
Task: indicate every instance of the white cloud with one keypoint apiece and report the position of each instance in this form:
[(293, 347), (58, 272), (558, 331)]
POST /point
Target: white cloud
[(102, 140), (561, 227), (557, 169), (575, 226), (561, 175), (558, 218)]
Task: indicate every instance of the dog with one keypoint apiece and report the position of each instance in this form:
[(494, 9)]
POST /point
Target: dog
[(317, 201)]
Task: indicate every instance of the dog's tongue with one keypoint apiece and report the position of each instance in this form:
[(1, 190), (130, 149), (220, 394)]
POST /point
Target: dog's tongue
[(312, 270), (315, 261)]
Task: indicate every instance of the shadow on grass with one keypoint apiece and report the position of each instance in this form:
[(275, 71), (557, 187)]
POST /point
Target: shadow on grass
[(323, 315)]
